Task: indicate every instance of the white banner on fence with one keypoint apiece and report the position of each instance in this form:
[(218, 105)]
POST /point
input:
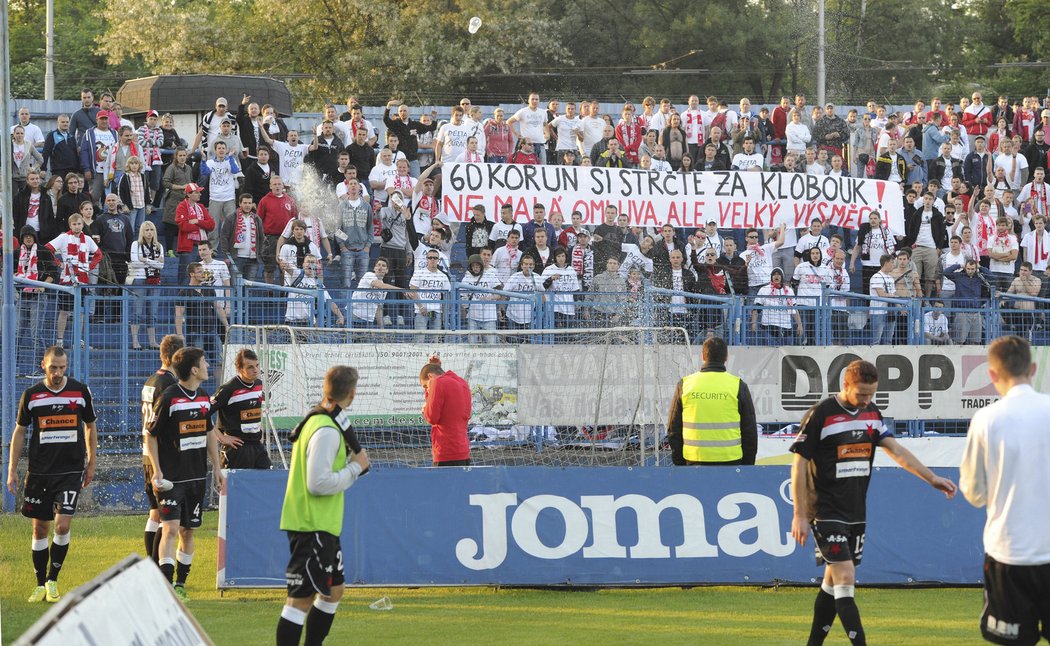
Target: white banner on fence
[(736, 200), (627, 384), (388, 392)]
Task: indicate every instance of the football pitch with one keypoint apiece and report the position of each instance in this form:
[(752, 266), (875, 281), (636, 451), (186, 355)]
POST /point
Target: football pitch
[(707, 615)]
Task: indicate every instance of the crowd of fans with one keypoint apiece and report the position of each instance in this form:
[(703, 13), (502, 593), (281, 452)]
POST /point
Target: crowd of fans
[(100, 201)]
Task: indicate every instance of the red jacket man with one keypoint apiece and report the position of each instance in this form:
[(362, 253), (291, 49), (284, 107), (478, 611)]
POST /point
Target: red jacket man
[(193, 220), (447, 410)]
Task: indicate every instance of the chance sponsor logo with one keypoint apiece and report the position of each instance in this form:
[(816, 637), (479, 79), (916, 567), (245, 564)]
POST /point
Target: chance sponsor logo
[(193, 426), (854, 451), (755, 528), (48, 422)]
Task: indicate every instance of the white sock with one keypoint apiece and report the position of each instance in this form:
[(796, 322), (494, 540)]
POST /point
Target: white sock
[(60, 539), (152, 525), (843, 591), (328, 607), (167, 560), (184, 558), (39, 544), (828, 588), (293, 615)]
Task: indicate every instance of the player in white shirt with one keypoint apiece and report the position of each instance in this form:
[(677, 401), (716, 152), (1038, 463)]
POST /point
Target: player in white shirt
[(1003, 469)]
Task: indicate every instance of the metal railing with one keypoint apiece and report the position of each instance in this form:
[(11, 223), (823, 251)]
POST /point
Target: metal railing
[(104, 352)]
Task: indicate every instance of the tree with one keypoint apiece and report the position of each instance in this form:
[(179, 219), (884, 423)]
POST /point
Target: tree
[(78, 64), (331, 48)]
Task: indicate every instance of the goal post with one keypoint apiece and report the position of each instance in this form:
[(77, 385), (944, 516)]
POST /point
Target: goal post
[(550, 397)]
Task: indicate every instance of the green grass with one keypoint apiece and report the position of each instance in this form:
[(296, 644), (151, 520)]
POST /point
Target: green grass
[(717, 616)]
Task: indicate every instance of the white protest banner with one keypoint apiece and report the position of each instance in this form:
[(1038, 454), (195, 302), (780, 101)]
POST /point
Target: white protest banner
[(734, 199)]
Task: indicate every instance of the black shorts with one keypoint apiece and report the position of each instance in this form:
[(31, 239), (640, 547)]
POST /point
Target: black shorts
[(316, 564), (45, 495), (184, 502), (838, 542), (147, 476), (1016, 600), (248, 456)]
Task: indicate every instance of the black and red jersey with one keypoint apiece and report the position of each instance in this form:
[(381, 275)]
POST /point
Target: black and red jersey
[(840, 445), (154, 387), (56, 419), (181, 421), (239, 409)]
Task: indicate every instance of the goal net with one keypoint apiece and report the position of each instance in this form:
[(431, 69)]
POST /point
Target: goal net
[(549, 397)]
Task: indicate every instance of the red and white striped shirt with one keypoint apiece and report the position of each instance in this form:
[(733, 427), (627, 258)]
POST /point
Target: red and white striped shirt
[(78, 255)]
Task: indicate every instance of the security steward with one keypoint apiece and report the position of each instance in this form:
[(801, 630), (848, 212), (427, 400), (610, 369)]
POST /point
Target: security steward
[(712, 419)]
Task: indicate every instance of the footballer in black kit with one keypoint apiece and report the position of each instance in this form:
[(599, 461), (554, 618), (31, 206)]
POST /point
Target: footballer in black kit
[(180, 444), (157, 383), (830, 473), (238, 405), (62, 451)]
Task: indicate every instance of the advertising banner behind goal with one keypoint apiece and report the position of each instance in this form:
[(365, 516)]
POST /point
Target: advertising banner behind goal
[(736, 200), (598, 526), (622, 384)]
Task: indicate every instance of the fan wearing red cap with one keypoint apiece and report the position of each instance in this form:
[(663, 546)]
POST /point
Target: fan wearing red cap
[(194, 224)]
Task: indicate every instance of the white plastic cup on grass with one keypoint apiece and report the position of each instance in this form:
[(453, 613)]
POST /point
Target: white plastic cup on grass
[(382, 603)]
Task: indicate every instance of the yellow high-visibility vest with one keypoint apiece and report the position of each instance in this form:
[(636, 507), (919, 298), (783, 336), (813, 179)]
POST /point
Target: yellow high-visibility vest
[(711, 417)]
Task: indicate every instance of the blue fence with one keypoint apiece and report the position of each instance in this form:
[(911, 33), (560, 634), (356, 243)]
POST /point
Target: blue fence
[(106, 323), (584, 526)]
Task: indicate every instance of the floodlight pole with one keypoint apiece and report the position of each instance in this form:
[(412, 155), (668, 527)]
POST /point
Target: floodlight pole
[(7, 302), (821, 69), (49, 54)]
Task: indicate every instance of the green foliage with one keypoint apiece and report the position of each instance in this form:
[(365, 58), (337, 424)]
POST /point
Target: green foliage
[(78, 62), (420, 51)]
